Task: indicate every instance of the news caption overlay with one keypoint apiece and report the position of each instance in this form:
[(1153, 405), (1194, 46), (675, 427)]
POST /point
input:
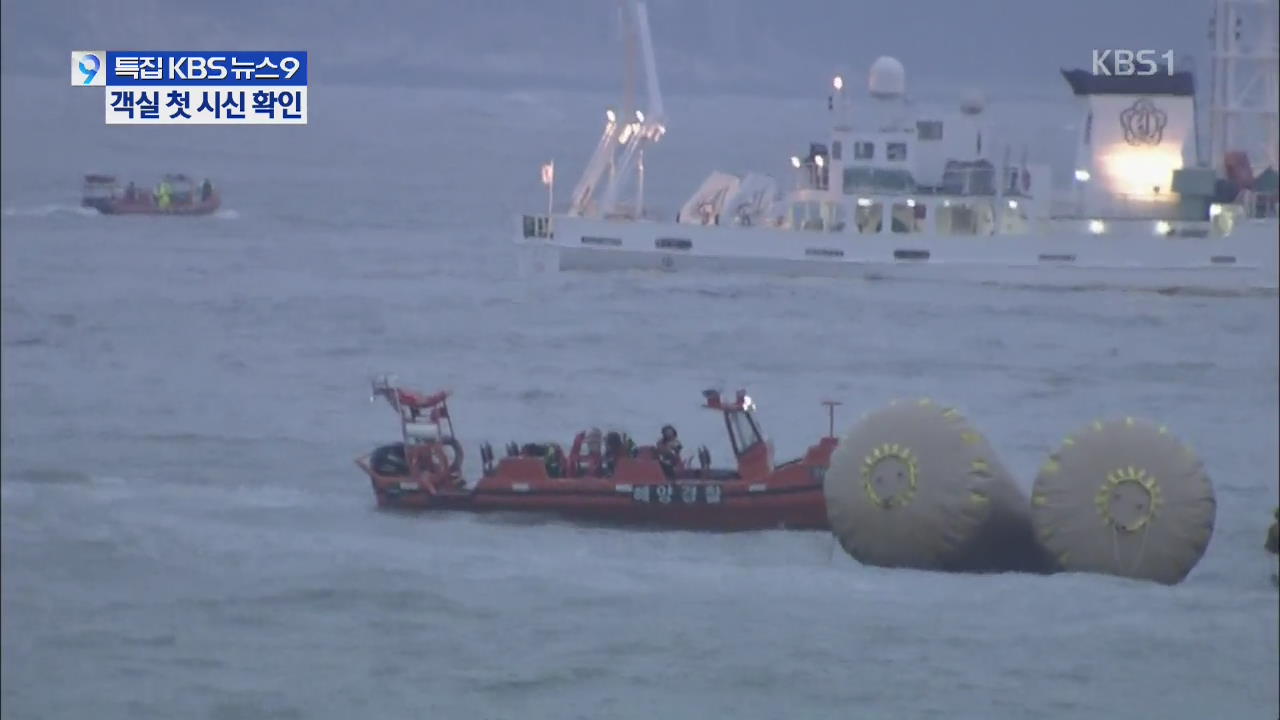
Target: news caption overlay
[(157, 87)]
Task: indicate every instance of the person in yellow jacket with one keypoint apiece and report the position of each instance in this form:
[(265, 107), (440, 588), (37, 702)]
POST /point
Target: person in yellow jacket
[(164, 194)]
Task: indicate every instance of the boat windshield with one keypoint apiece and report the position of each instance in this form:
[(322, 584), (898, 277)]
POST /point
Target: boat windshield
[(100, 189), (744, 431)]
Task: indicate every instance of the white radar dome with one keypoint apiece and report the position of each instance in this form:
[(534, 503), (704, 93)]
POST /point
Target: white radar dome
[(887, 78), (973, 102)]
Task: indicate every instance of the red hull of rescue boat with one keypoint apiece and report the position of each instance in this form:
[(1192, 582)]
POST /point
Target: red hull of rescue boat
[(146, 206), (791, 498)]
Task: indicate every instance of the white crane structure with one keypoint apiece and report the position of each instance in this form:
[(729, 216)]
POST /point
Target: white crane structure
[(1244, 83), (617, 165)]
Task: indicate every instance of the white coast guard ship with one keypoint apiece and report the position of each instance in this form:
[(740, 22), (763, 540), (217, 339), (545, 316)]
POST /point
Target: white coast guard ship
[(896, 192)]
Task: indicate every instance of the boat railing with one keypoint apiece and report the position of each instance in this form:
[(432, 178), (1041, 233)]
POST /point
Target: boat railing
[(1119, 206)]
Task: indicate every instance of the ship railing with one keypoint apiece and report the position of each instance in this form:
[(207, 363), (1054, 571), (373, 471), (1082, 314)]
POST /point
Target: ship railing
[(627, 214), (1259, 206), (1122, 207)]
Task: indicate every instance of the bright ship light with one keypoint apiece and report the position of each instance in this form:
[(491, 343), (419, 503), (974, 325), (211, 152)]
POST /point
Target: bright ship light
[(639, 116), (1082, 176), (1163, 227), (838, 83), (1097, 227), (1140, 172), (610, 116), (795, 162), (820, 162)]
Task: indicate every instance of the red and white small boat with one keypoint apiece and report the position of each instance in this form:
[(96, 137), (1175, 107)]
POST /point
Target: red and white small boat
[(602, 477)]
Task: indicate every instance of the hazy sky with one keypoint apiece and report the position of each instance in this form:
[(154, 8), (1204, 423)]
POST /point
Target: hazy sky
[(739, 45)]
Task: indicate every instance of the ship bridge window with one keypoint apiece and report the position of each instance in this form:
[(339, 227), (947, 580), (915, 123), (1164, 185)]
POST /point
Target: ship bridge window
[(929, 129), (537, 226), (805, 216), (908, 217), (864, 151), (1014, 219), (896, 151), (868, 217), (836, 149), (833, 216), (977, 177), (870, 180), (976, 218)]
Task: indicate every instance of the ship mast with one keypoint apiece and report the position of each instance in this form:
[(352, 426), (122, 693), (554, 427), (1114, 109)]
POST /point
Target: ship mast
[(626, 26), (1244, 83)]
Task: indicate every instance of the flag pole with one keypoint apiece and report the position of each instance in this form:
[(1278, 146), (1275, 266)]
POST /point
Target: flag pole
[(549, 179)]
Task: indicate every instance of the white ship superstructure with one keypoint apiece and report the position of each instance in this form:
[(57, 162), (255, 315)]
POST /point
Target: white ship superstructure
[(899, 190)]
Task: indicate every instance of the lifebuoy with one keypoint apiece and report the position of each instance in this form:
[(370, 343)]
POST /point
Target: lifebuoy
[(389, 460), (437, 461)]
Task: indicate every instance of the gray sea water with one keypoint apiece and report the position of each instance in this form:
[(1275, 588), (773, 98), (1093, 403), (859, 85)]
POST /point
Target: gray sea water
[(185, 535)]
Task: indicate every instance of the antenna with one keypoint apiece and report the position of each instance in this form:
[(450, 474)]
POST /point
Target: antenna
[(627, 27), (831, 416)]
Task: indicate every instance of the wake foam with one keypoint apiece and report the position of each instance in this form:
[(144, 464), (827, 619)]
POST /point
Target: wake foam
[(50, 210)]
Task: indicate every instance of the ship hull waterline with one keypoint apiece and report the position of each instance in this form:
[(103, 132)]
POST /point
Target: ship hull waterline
[(1243, 262)]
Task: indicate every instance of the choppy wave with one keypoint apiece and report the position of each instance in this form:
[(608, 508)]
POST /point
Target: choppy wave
[(49, 210), (192, 478), (1136, 287), (55, 209), (51, 476)]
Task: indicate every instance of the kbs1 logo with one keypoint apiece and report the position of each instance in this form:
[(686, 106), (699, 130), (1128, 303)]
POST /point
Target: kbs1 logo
[(154, 87), (1131, 63)]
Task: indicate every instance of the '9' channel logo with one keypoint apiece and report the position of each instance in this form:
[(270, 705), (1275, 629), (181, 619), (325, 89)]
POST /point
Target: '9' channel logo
[(88, 68)]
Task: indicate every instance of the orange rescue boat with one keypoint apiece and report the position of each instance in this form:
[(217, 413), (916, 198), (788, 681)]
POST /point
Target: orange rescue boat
[(603, 477)]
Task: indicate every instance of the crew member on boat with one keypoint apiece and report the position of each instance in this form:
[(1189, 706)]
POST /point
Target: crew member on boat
[(593, 447), (554, 460), (164, 194), (668, 448), (615, 447)]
